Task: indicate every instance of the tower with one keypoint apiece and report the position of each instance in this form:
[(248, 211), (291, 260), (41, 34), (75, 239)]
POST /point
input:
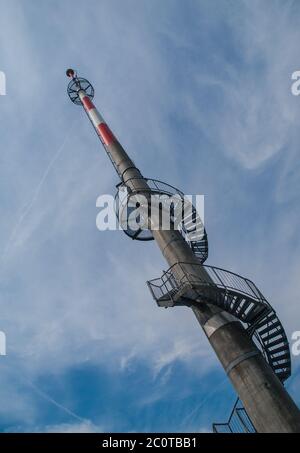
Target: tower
[(240, 324)]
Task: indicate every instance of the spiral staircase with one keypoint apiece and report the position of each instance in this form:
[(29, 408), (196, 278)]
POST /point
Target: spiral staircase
[(241, 298), (190, 225), (231, 292)]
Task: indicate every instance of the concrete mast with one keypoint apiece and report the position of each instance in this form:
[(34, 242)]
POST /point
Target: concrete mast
[(269, 406)]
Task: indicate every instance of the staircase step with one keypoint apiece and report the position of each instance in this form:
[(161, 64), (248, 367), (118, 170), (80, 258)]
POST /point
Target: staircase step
[(280, 349), (256, 313), (270, 318), (198, 246), (235, 303), (275, 342), (270, 327), (280, 366), (246, 305), (188, 223), (281, 357), (193, 234), (196, 241), (283, 375), (273, 335)]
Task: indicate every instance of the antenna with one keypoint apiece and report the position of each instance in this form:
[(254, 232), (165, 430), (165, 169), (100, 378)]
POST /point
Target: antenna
[(239, 323)]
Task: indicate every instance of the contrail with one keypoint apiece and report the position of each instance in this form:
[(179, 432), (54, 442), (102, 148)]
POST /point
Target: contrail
[(25, 211), (27, 208), (190, 416), (49, 398)]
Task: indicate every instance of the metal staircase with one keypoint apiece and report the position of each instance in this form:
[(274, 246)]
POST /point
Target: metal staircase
[(190, 224), (238, 296)]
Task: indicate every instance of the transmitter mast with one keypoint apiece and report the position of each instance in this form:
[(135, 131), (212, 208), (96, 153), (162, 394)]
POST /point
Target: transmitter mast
[(239, 323)]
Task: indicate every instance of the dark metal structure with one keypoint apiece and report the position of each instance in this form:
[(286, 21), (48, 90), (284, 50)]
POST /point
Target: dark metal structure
[(241, 326), (236, 295), (238, 422)]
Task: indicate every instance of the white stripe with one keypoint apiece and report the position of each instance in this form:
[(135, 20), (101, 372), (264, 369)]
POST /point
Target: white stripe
[(95, 117), (217, 321)]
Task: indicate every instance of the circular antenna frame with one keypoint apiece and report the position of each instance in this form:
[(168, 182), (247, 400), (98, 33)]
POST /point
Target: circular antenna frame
[(77, 84)]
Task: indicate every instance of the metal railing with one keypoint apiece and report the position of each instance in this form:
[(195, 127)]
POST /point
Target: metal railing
[(183, 214), (163, 286), (238, 422), (212, 276), (155, 186)]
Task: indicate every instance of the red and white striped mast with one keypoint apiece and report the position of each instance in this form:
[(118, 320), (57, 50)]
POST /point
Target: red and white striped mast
[(81, 92)]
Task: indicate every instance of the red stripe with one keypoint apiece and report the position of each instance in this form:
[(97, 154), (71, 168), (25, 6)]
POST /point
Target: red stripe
[(106, 134), (87, 103)]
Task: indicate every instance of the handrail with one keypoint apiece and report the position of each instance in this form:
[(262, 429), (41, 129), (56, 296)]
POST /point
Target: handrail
[(230, 280), (156, 184), (198, 243), (236, 423)]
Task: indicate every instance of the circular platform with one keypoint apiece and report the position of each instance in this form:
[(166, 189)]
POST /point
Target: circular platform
[(77, 84), (189, 224)]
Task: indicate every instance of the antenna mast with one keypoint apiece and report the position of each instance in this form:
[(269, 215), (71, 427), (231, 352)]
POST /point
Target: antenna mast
[(241, 326)]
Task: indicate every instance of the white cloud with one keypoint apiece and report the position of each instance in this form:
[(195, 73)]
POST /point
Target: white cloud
[(251, 115)]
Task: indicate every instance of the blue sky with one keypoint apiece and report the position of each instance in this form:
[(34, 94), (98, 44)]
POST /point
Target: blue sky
[(199, 94)]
